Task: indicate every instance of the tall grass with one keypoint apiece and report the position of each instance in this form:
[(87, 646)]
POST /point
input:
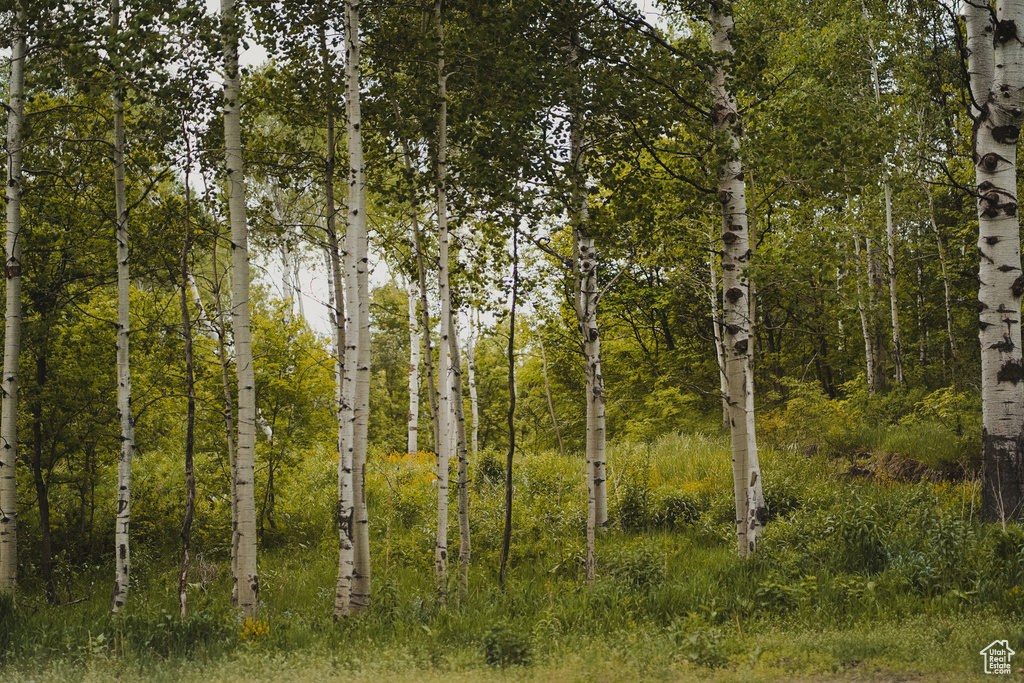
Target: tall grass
[(672, 600)]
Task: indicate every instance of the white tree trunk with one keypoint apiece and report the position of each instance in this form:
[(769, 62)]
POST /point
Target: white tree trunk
[(12, 315), (587, 297), (122, 550), (996, 69), (471, 367), (357, 351), (296, 270), (945, 274), (716, 324), (465, 548), (414, 371), (441, 546), (890, 227), (869, 350), (247, 577), (750, 509)]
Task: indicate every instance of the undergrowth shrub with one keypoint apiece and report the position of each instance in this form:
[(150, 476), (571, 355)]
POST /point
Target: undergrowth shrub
[(504, 647)]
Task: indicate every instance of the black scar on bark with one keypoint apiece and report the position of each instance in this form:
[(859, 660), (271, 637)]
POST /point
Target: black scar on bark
[(1006, 135), (990, 162), (992, 240), (982, 305), (1005, 346), (1018, 286), (723, 196), (734, 294), (986, 187), (1012, 371), (741, 346), (730, 237), (983, 326), (762, 514), (1005, 268), (1006, 30), (732, 329)]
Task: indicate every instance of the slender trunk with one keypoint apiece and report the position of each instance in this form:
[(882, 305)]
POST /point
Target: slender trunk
[(997, 83), (357, 356), (471, 367), (547, 391), (716, 325), (877, 345), (750, 508), (295, 257), (945, 274), (890, 227), (506, 537), (414, 373), (465, 549), (428, 346), (441, 548), (122, 556), (344, 391), (42, 489), (278, 212), (587, 297), (12, 314), (869, 346), (247, 576), (421, 271), (229, 408), (190, 392)]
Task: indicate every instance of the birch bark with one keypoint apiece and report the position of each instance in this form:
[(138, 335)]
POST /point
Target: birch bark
[(716, 324), (441, 547), (465, 548), (996, 68), (122, 553), (750, 508), (414, 372), (12, 315), (587, 296), (357, 351), (471, 368), (247, 575)]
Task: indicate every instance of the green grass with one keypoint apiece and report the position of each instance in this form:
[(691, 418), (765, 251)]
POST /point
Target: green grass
[(853, 579)]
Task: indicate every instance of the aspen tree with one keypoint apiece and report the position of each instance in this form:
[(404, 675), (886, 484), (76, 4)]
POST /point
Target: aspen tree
[(122, 549), (414, 372), (750, 508), (587, 296), (890, 226), (442, 447), (996, 69), (247, 575), (12, 314), (357, 350), (471, 371)]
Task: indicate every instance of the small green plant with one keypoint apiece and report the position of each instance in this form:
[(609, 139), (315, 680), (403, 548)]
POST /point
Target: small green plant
[(504, 647), (699, 640)]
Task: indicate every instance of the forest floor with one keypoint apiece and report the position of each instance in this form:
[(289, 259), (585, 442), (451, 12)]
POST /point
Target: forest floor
[(856, 579)]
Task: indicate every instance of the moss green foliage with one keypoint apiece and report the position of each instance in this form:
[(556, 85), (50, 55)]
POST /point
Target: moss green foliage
[(901, 576)]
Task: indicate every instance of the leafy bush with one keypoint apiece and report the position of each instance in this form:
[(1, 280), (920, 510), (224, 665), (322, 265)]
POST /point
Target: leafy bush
[(505, 647), (699, 640)]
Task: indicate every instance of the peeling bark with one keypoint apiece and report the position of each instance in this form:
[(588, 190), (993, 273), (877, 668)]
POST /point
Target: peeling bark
[(996, 69)]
